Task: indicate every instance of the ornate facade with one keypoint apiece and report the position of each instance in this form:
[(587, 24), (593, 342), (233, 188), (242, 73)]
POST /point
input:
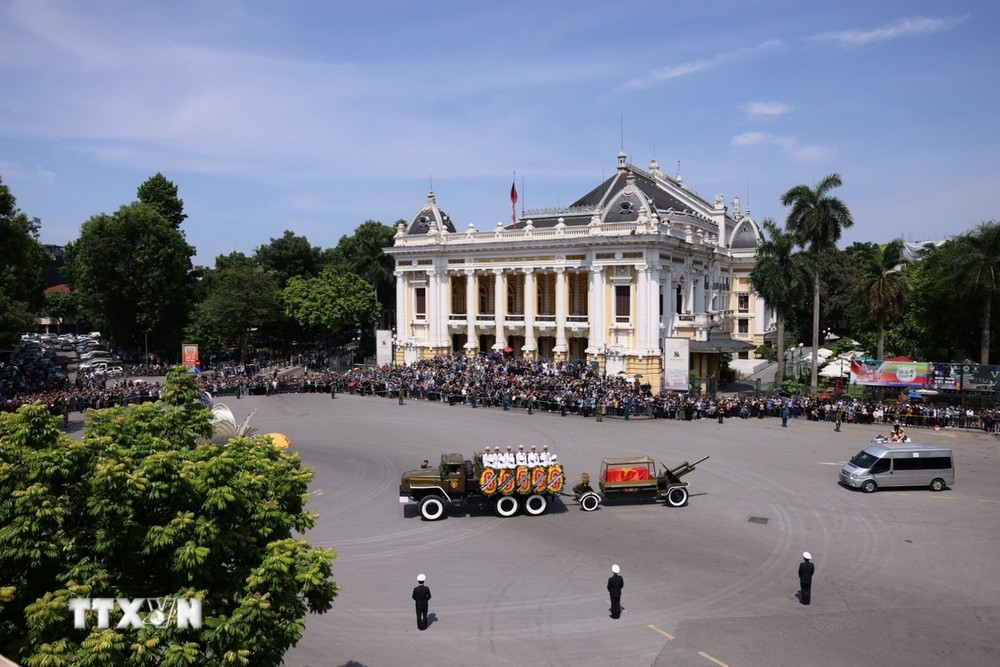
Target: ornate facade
[(638, 260)]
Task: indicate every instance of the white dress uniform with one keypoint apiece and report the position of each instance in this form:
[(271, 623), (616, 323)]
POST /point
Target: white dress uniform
[(544, 457), (533, 458), (521, 458), (508, 459), (489, 460)]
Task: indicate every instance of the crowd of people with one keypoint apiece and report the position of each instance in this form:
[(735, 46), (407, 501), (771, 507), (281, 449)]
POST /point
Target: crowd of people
[(567, 388)]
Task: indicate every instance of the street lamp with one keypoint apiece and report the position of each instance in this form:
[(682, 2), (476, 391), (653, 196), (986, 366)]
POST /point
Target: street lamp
[(798, 364)]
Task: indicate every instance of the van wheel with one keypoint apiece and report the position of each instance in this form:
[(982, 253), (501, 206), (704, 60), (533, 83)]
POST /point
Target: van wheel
[(506, 506), (869, 486), (589, 501), (536, 504), (937, 484), (431, 508), (677, 497)]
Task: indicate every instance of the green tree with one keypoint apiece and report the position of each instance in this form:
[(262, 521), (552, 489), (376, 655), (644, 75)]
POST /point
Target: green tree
[(145, 506), (133, 273), (972, 262), (240, 299), (363, 253), (816, 220), (60, 306), (335, 300), (22, 266), (288, 257), (880, 286), (161, 194), (778, 276)]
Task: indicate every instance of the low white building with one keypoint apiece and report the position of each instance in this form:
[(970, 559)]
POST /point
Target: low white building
[(639, 275)]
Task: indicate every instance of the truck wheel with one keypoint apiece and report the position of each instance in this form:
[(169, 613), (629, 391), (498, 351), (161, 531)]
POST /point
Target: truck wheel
[(677, 497), (536, 504), (869, 486), (937, 484), (589, 501), (506, 506), (431, 508)]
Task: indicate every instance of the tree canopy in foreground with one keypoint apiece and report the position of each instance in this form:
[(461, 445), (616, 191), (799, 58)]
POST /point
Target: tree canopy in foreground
[(145, 507)]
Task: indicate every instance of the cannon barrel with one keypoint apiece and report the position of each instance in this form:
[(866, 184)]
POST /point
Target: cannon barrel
[(686, 467)]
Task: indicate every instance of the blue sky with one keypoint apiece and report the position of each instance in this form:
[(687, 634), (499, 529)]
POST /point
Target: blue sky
[(316, 116)]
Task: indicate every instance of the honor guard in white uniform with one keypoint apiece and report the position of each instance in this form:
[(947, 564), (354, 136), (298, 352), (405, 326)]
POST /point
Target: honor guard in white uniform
[(520, 458), (545, 458), (533, 458), (498, 460), (508, 458), (488, 458)]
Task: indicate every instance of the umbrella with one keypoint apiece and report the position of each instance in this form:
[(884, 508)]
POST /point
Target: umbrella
[(637, 376), (279, 440), (508, 349)]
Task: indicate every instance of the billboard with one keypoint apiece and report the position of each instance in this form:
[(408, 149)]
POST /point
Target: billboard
[(676, 364), (189, 355), (383, 347), (925, 375)]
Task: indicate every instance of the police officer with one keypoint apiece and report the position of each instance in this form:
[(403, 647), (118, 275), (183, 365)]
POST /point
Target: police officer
[(533, 458), (615, 586), (806, 570), (508, 458), (520, 459), (545, 458), (421, 596)]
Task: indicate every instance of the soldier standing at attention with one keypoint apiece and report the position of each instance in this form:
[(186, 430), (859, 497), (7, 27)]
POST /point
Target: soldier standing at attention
[(421, 596), (615, 586), (806, 569), (508, 458), (488, 459)]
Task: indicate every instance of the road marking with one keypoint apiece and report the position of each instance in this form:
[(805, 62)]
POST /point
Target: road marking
[(708, 657), (665, 634), (943, 497), (829, 463), (986, 500)]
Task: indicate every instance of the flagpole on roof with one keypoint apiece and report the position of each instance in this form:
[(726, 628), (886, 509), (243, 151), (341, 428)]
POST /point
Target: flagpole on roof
[(513, 200)]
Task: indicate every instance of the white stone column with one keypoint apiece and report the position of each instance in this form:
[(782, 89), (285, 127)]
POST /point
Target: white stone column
[(642, 313), (402, 313), (530, 305), (595, 313), (471, 299), (562, 313), (668, 303), (653, 298), (433, 311), (500, 309)]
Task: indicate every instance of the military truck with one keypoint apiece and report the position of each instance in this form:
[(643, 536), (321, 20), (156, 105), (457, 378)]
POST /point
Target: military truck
[(459, 480)]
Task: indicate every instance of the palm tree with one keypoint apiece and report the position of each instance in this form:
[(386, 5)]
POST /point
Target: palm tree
[(778, 277), (976, 267), (881, 287), (816, 220)]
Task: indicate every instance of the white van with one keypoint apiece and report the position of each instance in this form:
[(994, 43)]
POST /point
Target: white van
[(899, 464)]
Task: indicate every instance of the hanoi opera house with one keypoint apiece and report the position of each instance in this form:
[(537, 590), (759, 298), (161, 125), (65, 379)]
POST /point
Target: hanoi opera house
[(641, 276)]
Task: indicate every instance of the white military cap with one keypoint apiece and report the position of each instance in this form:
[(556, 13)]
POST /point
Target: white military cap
[(807, 555), (615, 568), (421, 578)]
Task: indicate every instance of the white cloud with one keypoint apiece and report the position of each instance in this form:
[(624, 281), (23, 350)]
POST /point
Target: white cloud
[(902, 28), (663, 74), (760, 108), (788, 145)]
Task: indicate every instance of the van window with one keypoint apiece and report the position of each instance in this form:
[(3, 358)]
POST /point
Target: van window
[(881, 465), (863, 460), (924, 463)]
